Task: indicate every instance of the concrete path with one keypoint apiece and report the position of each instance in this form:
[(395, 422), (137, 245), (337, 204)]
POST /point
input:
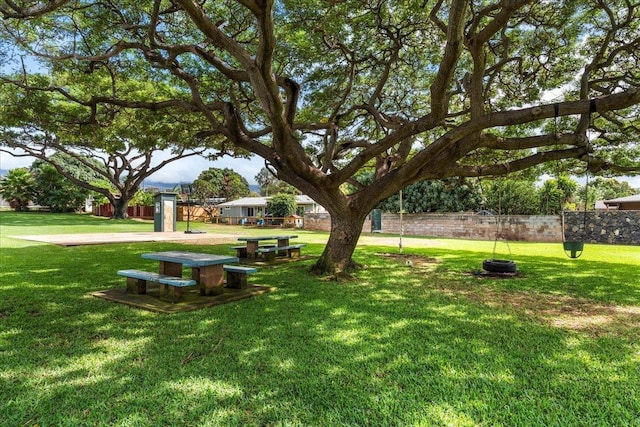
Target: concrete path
[(100, 238)]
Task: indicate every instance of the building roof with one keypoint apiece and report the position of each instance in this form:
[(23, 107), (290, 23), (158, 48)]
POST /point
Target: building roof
[(628, 199), (262, 201), (246, 201)]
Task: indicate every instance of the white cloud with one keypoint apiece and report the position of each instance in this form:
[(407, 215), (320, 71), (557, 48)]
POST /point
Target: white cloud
[(9, 162), (187, 170)]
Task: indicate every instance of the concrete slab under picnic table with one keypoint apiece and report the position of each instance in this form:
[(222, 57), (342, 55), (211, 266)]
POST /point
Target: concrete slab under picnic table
[(192, 299)]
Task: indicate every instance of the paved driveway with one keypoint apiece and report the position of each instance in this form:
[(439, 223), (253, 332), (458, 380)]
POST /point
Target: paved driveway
[(100, 238)]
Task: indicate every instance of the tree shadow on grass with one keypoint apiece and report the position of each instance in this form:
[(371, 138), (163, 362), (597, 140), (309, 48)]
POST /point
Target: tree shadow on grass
[(43, 223), (393, 346), (614, 282)]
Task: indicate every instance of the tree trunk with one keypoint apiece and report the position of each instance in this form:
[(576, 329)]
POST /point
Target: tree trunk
[(337, 255), (120, 208)]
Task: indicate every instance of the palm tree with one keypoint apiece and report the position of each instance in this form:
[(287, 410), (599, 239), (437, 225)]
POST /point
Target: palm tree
[(18, 188)]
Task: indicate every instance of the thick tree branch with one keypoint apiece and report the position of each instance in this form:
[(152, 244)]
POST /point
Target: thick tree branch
[(496, 142), (452, 49), (451, 140), (10, 9), (507, 168)]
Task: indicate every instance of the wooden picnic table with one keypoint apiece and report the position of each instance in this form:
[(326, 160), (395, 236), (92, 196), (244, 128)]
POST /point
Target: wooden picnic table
[(254, 242), (206, 269)]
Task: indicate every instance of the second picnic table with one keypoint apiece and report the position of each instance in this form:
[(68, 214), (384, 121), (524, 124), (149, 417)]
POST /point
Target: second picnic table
[(254, 242)]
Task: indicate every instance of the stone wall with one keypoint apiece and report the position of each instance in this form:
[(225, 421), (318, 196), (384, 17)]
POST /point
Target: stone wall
[(467, 226), (616, 227)]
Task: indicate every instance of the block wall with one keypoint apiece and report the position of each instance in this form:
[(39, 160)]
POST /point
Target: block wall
[(468, 226)]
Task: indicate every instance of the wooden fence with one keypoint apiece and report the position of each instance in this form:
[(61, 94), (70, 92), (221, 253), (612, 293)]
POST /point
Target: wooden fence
[(195, 213), (143, 212)]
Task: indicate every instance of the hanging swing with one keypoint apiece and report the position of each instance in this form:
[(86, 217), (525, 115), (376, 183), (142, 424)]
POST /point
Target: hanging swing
[(500, 266), (574, 248)]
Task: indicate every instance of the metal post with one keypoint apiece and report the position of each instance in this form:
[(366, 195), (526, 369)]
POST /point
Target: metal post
[(188, 188), (401, 224)]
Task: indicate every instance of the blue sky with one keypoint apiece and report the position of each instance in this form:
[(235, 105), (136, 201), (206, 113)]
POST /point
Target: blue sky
[(185, 170)]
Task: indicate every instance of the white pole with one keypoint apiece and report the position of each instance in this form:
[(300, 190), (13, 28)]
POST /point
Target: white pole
[(401, 224)]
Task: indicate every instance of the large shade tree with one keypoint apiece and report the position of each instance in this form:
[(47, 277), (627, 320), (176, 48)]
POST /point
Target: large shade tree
[(113, 149), (270, 184), (18, 188), (52, 189), (221, 184), (411, 90)]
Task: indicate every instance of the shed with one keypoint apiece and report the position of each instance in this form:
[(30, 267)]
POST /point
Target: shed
[(629, 203), (295, 221)]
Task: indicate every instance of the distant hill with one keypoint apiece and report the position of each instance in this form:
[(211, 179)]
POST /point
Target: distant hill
[(161, 186)]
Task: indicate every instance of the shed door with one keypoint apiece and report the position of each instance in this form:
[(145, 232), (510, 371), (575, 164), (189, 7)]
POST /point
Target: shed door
[(376, 221)]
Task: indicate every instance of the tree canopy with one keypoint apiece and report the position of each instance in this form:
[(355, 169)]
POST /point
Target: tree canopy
[(444, 195), (281, 205), (611, 188), (54, 190), (220, 183), (270, 185), (118, 143), (18, 188), (411, 91)]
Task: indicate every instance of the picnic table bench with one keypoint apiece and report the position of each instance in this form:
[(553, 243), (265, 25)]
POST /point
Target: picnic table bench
[(254, 242), (237, 275), (291, 251), (207, 272), (170, 286), (241, 251)]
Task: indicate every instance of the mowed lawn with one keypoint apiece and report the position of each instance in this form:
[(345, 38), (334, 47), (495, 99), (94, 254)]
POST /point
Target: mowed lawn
[(432, 344)]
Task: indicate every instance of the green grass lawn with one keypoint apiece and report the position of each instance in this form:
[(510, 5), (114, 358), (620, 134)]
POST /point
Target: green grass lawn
[(428, 345)]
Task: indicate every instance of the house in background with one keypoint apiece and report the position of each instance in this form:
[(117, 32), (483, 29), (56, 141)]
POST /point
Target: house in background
[(251, 209), (629, 203)]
